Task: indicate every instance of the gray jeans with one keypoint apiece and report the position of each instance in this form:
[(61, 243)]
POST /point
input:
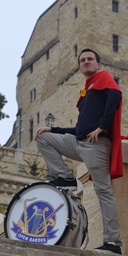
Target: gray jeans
[(96, 156)]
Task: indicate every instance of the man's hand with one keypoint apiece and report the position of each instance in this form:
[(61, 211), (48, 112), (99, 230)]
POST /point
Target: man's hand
[(93, 136), (41, 130)]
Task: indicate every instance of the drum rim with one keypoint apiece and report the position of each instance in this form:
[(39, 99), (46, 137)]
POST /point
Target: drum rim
[(16, 196)]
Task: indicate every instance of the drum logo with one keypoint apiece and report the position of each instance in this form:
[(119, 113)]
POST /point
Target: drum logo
[(37, 222)]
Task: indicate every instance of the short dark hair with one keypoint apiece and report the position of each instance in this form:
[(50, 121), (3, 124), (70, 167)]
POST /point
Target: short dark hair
[(89, 50)]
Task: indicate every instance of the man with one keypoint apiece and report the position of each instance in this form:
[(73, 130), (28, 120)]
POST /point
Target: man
[(94, 140)]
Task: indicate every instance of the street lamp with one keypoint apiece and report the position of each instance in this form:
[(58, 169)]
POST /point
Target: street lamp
[(19, 131), (50, 119)]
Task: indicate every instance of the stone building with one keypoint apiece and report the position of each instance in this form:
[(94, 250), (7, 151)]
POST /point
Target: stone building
[(49, 80)]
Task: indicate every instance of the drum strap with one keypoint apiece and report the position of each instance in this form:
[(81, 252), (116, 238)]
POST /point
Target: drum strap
[(85, 242)]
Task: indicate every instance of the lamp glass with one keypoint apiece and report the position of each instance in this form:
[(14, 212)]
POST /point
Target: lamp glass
[(50, 120)]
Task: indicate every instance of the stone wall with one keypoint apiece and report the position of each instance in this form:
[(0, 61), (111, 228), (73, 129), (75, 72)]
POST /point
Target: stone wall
[(19, 248), (58, 81), (91, 204), (120, 187), (56, 77)]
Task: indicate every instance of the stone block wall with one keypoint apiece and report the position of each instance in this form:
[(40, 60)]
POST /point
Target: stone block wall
[(49, 62), (91, 204), (120, 187)]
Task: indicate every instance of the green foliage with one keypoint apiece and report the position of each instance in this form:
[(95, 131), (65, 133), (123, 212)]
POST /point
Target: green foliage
[(3, 101), (33, 165), (2, 208)]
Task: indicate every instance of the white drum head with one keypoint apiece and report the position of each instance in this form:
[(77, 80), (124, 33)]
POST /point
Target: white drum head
[(38, 213)]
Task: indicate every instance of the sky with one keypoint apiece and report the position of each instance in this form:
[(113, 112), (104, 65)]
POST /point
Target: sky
[(17, 21)]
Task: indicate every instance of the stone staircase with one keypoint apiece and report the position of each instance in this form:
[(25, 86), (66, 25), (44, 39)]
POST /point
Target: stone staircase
[(19, 248)]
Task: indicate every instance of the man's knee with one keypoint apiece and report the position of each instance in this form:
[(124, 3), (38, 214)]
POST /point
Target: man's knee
[(42, 139)]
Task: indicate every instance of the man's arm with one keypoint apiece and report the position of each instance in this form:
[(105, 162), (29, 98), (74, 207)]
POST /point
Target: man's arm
[(59, 130), (112, 104), (71, 130)]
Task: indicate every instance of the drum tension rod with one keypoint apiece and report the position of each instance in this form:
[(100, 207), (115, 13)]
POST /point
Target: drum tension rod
[(17, 196), (71, 225)]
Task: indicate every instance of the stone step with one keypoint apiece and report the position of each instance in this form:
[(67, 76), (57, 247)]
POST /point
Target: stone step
[(19, 248), (6, 254), (15, 250)]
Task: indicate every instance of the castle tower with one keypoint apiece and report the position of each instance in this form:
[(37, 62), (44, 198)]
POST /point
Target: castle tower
[(49, 80)]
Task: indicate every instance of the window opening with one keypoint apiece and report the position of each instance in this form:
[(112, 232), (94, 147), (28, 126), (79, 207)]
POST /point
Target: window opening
[(115, 6), (115, 43), (31, 130), (76, 12)]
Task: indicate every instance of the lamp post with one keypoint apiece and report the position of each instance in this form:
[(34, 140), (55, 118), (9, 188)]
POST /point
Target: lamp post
[(18, 125), (50, 119)]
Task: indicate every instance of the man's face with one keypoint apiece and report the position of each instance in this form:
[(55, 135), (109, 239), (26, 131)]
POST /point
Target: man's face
[(88, 64)]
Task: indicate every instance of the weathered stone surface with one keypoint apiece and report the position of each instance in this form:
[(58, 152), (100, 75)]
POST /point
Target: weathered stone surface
[(57, 79), (125, 151), (12, 247)]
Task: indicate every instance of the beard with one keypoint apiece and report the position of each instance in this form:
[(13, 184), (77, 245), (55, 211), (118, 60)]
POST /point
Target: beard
[(88, 72)]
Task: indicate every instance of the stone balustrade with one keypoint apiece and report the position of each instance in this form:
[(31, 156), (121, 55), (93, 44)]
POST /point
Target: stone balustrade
[(11, 156), (11, 182)]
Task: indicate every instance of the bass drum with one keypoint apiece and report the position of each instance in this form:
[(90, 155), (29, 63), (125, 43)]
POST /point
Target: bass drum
[(44, 214)]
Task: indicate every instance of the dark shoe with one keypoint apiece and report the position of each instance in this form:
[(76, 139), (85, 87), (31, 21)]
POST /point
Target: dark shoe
[(109, 247), (65, 183)]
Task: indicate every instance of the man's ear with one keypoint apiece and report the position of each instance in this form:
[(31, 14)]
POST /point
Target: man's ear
[(99, 65)]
